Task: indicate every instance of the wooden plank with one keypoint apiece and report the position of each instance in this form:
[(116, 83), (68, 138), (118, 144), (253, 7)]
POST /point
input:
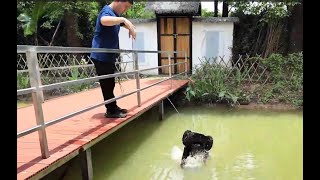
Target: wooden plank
[(166, 45), (181, 67), (183, 25), (165, 70), (166, 25), (172, 41), (183, 45)]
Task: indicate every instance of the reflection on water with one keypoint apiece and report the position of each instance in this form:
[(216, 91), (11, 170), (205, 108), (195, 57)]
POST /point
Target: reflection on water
[(247, 145), (166, 173), (244, 166)]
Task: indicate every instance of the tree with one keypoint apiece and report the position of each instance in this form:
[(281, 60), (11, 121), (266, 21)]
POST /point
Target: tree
[(295, 28), (271, 25), (215, 8), (225, 10), (31, 16), (48, 14), (138, 11)]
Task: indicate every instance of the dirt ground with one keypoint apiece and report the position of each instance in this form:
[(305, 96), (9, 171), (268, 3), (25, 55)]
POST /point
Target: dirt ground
[(269, 106)]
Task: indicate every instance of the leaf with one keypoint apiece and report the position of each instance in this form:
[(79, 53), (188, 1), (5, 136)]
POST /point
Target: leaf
[(30, 22), (188, 97), (192, 93), (234, 99), (205, 94), (28, 30), (24, 18), (221, 94)]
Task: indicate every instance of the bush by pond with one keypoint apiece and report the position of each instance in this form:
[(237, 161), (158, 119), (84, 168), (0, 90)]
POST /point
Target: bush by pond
[(275, 79)]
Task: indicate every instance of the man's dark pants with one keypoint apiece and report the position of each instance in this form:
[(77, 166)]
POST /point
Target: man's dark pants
[(107, 85)]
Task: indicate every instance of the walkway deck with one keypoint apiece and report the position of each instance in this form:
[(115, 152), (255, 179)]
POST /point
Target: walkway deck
[(66, 138)]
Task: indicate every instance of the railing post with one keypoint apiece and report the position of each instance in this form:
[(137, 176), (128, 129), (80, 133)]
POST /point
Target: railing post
[(38, 77), (186, 65), (133, 63), (169, 63), (33, 68), (135, 60), (170, 74)]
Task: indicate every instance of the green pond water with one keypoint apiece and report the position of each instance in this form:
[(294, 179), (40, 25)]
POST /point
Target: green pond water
[(248, 144)]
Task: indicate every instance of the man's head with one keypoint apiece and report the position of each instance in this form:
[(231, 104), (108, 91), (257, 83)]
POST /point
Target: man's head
[(122, 6)]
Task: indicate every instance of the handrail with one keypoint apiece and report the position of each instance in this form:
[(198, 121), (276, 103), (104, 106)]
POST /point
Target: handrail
[(36, 87), (79, 81), (60, 49)]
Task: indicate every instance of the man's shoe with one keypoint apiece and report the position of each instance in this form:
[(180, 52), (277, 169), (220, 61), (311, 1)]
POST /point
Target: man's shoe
[(115, 114), (122, 110)]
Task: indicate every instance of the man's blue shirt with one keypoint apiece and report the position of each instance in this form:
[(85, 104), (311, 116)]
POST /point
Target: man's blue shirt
[(105, 37)]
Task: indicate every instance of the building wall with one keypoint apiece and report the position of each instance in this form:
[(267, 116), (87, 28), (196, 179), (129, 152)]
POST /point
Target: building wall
[(210, 40), (146, 40)]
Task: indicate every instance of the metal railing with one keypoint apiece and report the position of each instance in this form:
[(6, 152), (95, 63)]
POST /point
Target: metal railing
[(37, 88)]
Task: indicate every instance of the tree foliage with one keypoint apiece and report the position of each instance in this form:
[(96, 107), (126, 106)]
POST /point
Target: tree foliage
[(269, 11), (52, 12), (47, 16), (138, 11)]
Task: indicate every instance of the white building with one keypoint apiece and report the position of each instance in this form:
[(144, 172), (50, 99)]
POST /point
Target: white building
[(179, 27)]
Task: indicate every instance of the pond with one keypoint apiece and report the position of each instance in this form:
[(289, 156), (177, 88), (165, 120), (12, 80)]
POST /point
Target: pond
[(248, 144)]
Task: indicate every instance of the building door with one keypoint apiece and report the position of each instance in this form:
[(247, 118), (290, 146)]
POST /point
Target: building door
[(174, 34)]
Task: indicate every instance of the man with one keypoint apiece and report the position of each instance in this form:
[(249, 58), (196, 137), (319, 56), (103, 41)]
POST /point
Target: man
[(106, 35)]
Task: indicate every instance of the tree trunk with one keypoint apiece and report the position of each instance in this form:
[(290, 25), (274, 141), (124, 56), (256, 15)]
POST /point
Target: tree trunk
[(35, 36), (295, 28), (215, 8), (54, 34), (71, 23), (225, 9)]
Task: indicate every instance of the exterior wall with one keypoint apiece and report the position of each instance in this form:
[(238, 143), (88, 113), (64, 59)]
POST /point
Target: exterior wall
[(146, 40), (211, 37), (217, 36)]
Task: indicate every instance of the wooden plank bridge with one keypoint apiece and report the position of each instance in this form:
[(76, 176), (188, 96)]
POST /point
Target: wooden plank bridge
[(77, 134)]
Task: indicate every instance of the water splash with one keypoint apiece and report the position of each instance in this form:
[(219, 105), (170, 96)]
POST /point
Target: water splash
[(194, 162), (176, 154), (190, 162)]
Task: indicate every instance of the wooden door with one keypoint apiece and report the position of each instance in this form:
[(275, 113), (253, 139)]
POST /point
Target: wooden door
[(174, 34)]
